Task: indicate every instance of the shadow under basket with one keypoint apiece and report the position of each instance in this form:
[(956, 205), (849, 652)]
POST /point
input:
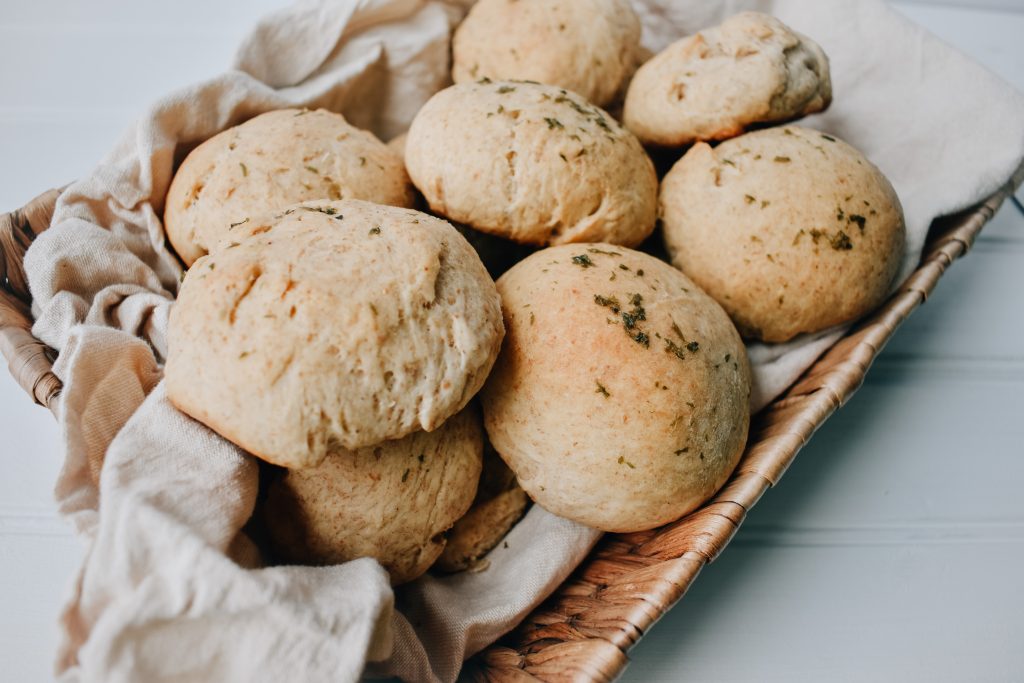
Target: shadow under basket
[(583, 631)]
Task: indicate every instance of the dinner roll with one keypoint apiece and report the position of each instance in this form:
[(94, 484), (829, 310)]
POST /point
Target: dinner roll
[(397, 145), (336, 324), (790, 229), (392, 502), (588, 46), (712, 85), (499, 504), (621, 395), (271, 161), (535, 164)]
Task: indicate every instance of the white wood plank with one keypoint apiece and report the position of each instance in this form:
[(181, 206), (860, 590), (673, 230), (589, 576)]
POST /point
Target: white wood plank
[(907, 612), (35, 576), (991, 36), (183, 15), (974, 311)]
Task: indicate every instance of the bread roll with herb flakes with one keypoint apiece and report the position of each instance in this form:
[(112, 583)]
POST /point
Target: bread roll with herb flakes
[(499, 504), (591, 47), (752, 69), (393, 502), (327, 325), (271, 161), (790, 229), (621, 395), (538, 165)]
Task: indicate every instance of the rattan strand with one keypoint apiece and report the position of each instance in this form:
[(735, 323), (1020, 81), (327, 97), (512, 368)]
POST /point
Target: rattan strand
[(584, 630)]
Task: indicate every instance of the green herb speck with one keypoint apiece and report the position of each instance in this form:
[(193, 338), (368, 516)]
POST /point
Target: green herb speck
[(601, 389), (583, 261)]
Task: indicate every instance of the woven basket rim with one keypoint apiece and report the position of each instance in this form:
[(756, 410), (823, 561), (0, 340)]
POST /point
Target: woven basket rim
[(584, 630)]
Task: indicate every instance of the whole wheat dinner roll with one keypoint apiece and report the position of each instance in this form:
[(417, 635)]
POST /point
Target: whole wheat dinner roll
[(588, 46), (714, 84), (499, 504), (392, 502), (532, 163), (271, 161), (790, 229), (335, 324), (620, 398)]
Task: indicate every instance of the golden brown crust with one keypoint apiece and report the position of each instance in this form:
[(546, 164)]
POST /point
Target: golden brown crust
[(620, 398), (535, 164), (790, 229), (588, 46), (332, 324), (392, 502), (713, 85), (499, 504), (271, 161)]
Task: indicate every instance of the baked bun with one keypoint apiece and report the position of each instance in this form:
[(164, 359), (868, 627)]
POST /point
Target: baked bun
[(499, 504), (712, 85), (790, 229), (397, 145), (392, 502), (271, 161), (536, 164), (621, 395), (336, 324), (588, 46)]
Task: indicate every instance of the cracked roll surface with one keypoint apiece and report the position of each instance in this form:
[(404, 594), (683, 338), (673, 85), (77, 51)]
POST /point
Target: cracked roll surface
[(392, 502), (714, 84), (621, 395), (790, 229), (532, 163), (332, 324), (271, 161), (588, 46)]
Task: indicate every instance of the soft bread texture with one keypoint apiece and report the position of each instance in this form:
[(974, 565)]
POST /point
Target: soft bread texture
[(620, 398), (790, 229), (335, 324), (712, 85), (272, 161), (499, 504), (392, 502), (588, 46), (397, 145), (532, 163)]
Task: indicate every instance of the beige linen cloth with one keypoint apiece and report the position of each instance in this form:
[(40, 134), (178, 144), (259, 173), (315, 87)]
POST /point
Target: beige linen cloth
[(170, 589)]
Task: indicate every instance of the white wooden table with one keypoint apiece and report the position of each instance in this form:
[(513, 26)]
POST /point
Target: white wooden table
[(893, 548)]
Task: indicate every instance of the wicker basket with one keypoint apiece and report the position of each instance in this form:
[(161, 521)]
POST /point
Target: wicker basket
[(584, 630)]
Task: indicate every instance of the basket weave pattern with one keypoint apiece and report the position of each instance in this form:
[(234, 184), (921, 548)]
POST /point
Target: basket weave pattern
[(584, 630)]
